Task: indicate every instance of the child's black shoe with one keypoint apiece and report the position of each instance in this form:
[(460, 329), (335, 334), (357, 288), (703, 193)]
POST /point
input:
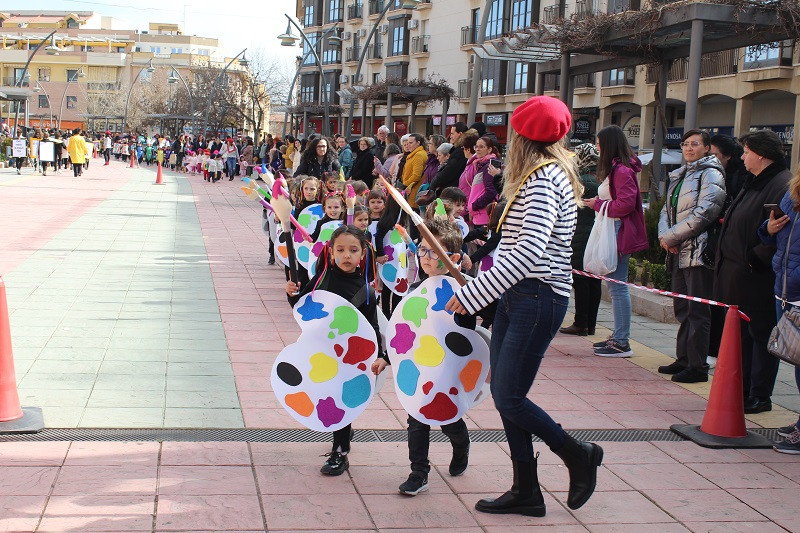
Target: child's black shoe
[(336, 464), (271, 260), (460, 461), (417, 482)]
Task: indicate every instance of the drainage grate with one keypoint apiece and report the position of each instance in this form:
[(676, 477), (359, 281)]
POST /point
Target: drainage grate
[(304, 435)]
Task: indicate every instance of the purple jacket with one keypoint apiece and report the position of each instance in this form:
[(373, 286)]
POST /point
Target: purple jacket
[(626, 205)]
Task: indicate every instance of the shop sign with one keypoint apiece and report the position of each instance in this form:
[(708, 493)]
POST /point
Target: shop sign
[(496, 119), (437, 120), (583, 128), (632, 129), (784, 131)]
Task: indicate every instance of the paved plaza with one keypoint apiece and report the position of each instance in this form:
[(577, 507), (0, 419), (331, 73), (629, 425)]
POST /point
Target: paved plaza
[(139, 306)]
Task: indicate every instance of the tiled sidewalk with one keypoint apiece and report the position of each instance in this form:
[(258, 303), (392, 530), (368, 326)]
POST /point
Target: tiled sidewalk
[(235, 486)]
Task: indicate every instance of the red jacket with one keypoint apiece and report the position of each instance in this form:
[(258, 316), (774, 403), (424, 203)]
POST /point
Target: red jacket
[(626, 205)]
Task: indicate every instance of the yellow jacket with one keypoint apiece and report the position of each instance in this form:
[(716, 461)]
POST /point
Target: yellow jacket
[(77, 149), (287, 157), (413, 173)]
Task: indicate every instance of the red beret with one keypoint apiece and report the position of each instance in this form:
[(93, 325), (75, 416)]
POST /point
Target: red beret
[(542, 118)]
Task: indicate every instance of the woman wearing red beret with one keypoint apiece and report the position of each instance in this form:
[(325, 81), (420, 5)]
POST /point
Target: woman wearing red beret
[(532, 277)]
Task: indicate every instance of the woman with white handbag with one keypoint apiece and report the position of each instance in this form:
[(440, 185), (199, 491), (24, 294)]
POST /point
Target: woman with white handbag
[(618, 198)]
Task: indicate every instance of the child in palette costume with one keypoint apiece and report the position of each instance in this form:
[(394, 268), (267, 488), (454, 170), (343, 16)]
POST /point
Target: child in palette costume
[(449, 236), (348, 278)]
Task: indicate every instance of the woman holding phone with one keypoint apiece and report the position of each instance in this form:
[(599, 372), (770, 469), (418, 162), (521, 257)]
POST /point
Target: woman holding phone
[(482, 191)]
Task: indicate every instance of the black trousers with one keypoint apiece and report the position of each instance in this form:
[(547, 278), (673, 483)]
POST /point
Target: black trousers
[(759, 367), (76, 169), (694, 318), (587, 300), (419, 441), (107, 154), (341, 438), (389, 301)]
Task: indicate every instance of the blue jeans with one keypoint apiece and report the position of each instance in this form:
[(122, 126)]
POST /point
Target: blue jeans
[(230, 164), (528, 317), (620, 298), (778, 313)]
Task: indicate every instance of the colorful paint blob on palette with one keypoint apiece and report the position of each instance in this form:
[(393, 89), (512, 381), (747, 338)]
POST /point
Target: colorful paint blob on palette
[(438, 365), (323, 379)]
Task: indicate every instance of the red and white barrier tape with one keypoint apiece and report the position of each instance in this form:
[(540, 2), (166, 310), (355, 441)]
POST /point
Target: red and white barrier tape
[(663, 293)]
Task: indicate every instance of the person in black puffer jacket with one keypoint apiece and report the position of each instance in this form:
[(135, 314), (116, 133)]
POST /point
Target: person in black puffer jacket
[(317, 159), (587, 290)]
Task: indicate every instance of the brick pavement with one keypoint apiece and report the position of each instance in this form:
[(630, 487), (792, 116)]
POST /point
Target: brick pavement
[(209, 240)]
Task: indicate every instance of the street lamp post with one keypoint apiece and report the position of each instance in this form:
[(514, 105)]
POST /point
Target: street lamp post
[(406, 4), (74, 77), (52, 50), (242, 62), (150, 68), (289, 39), (477, 65), (38, 88), (297, 75), (173, 79)]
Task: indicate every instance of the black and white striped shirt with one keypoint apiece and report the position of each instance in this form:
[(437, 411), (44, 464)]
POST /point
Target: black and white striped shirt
[(537, 233)]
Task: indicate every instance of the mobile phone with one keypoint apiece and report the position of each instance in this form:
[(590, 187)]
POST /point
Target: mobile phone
[(775, 209), (496, 163)]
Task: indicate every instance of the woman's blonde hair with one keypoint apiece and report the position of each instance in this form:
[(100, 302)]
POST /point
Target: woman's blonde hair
[(524, 155), (794, 190)]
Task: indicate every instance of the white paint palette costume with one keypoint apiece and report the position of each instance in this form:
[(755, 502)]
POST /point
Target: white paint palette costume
[(308, 253), (307, 218), (439, 367), (324, 379)]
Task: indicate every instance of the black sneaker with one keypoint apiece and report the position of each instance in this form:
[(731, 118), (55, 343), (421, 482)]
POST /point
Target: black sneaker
[(336, 465), (271, 260), (785, 431), (690, 375), (614, 349), (417, 482), (790, 445), (460, 461), (600, 344), (673, 368)]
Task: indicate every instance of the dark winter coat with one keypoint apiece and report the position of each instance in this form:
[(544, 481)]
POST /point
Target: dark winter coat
[(312, 167), (448, 175), (585, 221), (363, 165), (743, 274), (781, 242)]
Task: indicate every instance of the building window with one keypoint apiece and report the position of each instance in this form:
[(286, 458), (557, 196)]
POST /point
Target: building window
[(44, 74), (521, 14), (120, 49), (376, 78), (155, 49), (202, 52), (72, 74), (312, 14), (72, 23), (173, 50), (44, 100), (335, 10), (492, 74), (494, 28), (620, 6), (769, 55), (521, 77), (397, 71), (72, 102), (398, 35), (620, 76), (331, 54), (308, 88), (312, 37)]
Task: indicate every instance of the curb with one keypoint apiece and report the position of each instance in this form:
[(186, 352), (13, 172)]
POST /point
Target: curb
[(653, 306)]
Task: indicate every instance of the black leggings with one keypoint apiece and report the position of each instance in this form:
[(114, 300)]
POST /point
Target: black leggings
[(76, 169)]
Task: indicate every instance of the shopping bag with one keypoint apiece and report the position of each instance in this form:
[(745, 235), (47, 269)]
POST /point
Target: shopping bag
[(601, 249)]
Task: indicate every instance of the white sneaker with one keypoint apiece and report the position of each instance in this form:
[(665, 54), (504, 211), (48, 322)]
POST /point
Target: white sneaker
[(711, 361)]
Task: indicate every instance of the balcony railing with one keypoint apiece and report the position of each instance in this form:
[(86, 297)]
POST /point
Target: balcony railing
[(585, 9), (103, 86), (552, 14), (375, 51), (722, 63), (352, 53), (419, 44), (469, 35), (12, 80), (376, 6), (355, 11), (463, 88)]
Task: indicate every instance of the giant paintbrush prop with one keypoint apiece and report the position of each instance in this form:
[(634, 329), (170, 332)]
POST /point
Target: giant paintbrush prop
[(351, 203), (425, 232), (254, 192), (283, 210)]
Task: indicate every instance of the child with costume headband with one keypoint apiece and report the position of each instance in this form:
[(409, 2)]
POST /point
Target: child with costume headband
[(449, 236), (342, 270), (333, 207)]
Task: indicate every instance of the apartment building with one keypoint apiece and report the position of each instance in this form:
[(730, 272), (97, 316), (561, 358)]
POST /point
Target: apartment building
[(82, 76), (740, 89)]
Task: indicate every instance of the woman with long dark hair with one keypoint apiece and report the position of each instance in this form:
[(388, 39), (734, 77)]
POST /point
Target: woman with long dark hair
[(317, 159), (619, 188), (363, 163), (532, 278)]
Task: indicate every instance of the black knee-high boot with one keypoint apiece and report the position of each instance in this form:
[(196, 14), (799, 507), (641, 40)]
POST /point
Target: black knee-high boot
[(582, 460), (525, 496)]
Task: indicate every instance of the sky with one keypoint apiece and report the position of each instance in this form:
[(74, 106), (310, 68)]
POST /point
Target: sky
[(237, 25)]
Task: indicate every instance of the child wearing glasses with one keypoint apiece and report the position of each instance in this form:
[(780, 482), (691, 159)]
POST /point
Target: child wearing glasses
[(449, 236)]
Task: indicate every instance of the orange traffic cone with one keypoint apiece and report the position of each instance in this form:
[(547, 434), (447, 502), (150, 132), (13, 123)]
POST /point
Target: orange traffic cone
[(13, 419), (159, 176), (133, 161), (723, 424)]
